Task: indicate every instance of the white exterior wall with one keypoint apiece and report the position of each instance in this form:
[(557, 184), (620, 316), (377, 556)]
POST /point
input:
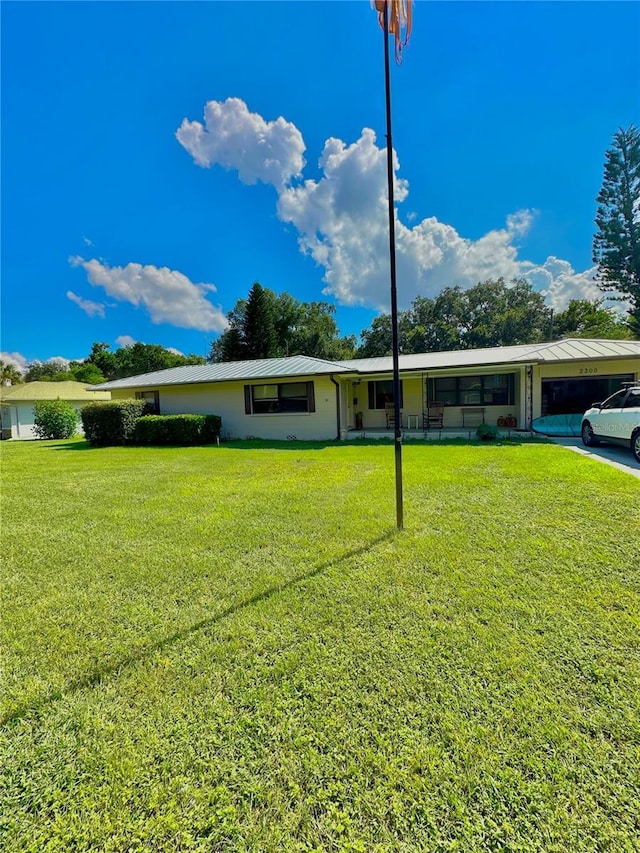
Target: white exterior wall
[(22, 417), (226, 399)]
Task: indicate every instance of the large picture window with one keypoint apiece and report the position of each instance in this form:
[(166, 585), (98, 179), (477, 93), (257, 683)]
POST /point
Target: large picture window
[(381, 393), (280, 398), (494, 389)]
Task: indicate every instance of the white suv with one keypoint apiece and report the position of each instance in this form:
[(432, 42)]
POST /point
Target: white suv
[(616, 421)]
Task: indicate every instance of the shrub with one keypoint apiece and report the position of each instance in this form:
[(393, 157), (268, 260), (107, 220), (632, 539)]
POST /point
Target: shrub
[(211, 429), (112, 422), (487, 432), (55, 419), (177, 429)]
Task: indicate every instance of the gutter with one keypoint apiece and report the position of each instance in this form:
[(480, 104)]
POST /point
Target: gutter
[(337, 404)]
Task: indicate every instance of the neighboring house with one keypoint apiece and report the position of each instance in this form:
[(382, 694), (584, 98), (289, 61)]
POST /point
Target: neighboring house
[(17, 402), (313, 399)]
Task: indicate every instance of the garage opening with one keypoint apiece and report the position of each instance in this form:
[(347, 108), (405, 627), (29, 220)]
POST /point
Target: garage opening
[(576, 394)]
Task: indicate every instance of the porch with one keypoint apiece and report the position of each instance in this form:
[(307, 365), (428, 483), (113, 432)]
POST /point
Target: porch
[(465, 401), (444, 434)]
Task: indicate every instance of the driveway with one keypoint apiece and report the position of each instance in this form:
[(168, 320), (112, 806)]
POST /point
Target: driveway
[(617, 457)]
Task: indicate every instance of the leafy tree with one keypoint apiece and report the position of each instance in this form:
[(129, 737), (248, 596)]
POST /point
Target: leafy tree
[(54, 419), (301, 328), (496, 314), (47, 371), (57, 370), (147, 358), (105, 360), (584, 318), (377, 341), (316, 334), (102, 364), (9, 374), (490, 314), (616, 243), (131, 361), (87, 372)]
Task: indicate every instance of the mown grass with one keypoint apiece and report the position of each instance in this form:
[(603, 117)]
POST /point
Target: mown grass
[(232, 649)]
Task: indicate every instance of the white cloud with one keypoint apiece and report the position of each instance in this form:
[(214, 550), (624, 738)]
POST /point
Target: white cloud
[(93, 309), (87, 241), (15, 359), (168, 295), (560, 282), (234, 138), (60, 361), (125, 341), (342, 218)]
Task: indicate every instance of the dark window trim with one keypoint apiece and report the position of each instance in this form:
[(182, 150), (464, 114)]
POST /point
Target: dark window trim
[(434, 395), (249, 401)]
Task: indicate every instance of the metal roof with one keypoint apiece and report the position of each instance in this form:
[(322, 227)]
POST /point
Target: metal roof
[(50, 391), (264, 368), (570, 349)]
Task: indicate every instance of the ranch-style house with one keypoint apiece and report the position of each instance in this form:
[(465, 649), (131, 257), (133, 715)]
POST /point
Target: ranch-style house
[(312, 399)]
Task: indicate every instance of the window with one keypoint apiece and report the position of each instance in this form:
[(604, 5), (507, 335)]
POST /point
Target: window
[(633, 400), (615, 402), (381, 393), (470, 390), (152, 398), (281, 398), (495, 389)]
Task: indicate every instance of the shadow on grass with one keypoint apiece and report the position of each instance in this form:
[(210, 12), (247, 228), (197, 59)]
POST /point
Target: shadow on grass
[(100, 674), (73, 445)]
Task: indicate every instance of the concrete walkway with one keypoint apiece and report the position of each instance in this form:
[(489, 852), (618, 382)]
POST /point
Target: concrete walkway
[(617, 457)]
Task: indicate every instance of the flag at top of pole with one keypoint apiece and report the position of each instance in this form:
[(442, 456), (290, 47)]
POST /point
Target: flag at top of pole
[(399, 20)]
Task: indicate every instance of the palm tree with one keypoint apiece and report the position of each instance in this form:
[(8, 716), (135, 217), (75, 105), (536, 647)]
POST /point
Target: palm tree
[(9, 374)]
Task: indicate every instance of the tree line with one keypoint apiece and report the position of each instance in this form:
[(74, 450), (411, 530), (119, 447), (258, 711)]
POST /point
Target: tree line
[(101, 365), (493, 313), (270, 325)]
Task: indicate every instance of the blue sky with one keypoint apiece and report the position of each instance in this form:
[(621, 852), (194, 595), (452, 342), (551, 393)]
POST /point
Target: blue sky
[(126, 215)]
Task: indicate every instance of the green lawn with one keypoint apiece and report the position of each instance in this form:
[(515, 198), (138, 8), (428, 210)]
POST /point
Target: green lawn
[(231, 649)]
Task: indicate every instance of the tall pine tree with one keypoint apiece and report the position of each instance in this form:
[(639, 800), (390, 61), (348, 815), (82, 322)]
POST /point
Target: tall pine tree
[(616, 244), (259, 332)]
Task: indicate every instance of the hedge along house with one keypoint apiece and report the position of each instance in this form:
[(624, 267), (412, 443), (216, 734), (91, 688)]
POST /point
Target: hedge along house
[(312, 399), (17, 403)]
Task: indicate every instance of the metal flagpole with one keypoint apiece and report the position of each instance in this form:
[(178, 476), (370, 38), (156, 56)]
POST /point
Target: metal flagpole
[(394, 295)]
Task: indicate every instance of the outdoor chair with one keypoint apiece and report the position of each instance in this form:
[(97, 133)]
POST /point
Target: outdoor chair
[(390, 414), (434, 416)]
